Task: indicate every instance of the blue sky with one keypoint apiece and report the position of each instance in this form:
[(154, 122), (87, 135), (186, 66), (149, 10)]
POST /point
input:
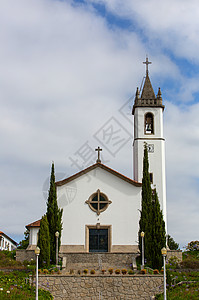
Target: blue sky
[(67, 67)]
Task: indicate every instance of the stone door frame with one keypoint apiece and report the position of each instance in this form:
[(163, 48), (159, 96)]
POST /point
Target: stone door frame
[(98, 226)]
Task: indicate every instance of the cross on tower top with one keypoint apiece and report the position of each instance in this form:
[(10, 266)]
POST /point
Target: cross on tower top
[(98, 149), (147, 62)]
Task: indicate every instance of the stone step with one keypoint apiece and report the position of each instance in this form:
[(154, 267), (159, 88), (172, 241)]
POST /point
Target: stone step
[(96, 261)]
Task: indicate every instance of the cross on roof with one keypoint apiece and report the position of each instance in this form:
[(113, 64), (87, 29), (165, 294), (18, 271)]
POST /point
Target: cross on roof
[(147, 63), (98, 158)]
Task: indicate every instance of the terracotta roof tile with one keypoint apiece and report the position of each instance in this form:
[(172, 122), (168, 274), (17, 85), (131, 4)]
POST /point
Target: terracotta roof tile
[(33, 224)]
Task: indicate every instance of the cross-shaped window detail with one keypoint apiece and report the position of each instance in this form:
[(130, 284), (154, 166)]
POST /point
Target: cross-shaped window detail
[(98, 202)]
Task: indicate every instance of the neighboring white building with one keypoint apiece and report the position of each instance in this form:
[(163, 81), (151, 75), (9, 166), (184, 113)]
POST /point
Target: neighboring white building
[(101, 207), (6, 243), (33, 236)]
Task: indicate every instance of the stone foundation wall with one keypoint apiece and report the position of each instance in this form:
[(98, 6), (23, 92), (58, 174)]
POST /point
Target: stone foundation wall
[(22, 255), (110, 287), (114, 248), (98, 260), (174, 253)]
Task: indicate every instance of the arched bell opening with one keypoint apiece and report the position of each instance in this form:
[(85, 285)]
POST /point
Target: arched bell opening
[(149, 123)]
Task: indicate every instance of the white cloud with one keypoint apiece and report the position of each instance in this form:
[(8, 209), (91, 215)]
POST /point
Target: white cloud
[(182, 146), (182, 131), (60, 67), (173, 23)]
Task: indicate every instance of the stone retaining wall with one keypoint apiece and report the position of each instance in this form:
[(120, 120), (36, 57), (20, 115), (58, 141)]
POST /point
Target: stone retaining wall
[(174, 253), (110, 287), (22, 255)]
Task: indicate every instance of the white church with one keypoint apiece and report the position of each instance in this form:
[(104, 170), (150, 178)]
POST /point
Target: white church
[(105, 211)]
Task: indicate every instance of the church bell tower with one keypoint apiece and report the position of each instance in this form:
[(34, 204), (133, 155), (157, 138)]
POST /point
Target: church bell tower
[(148, 128)]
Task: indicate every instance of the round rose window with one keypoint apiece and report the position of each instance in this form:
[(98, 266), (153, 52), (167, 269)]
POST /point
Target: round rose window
[(98, 202)]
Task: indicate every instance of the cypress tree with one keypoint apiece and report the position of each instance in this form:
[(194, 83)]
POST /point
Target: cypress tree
[(151, 220), (44, 243), (158, 233), (145, 223), (54, 216), (171, 243)]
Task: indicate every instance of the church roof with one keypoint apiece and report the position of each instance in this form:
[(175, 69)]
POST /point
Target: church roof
[(102, 166), (34, 224)]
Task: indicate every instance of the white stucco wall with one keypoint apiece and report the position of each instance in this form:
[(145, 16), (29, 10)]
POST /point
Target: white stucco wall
[(157, 158), (123, 213), (33, 235), (139, 121)]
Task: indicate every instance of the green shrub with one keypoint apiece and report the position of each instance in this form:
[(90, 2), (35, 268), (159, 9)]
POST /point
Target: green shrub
[(190, 263), (14, 286), (184, 291), (191, 254), (171, 243), (85, 271), (130, 272), (31, 268), (10, 254), (26, 262), (110, 270), (173, 263), (117, 271), (169, 277), (6, 261), (124, 271), (32, 262), (193, 246)]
